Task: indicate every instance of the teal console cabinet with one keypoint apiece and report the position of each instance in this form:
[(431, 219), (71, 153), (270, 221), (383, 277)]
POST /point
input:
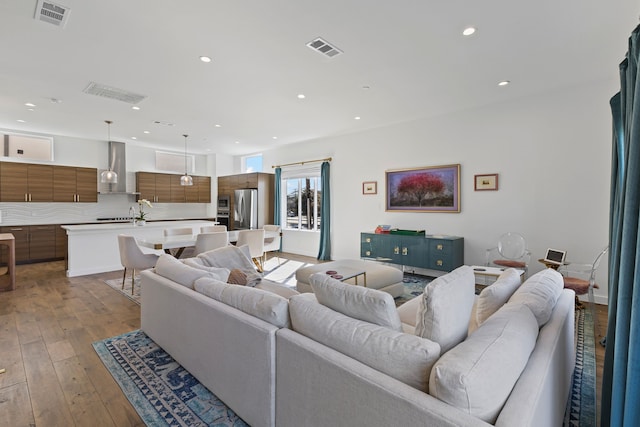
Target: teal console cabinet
[(443, 253)]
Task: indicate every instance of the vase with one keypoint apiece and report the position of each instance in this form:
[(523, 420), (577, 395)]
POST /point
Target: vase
[(141, 222)]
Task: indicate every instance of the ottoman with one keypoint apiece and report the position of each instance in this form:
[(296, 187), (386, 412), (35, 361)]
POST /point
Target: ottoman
[(381, 277)]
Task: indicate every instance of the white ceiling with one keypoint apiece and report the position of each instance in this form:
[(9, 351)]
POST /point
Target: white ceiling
[(410, 53)]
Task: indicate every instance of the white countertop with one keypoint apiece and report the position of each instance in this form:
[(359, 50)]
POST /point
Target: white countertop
[(129, 226)]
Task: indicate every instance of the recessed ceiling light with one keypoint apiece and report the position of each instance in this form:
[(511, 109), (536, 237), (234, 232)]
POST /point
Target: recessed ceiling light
[(301, 96), (28, 104), (274, 137), (31, 109), (135, 107), (146, 131), (133, 137), (468, 31), (237, 142), (205, 59), (504, 83), (20, 121), (356, 118), (218, 126)]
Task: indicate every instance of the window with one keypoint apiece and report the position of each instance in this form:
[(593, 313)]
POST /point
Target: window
[(252, 163), (172, 162), (303, 202)]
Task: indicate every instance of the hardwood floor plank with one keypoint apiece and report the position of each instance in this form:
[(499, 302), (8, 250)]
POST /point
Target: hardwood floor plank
[(84, 403), (15, 406), (49, 405)]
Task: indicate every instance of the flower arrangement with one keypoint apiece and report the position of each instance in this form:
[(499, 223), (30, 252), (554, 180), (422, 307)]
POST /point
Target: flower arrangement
[(141, 213)]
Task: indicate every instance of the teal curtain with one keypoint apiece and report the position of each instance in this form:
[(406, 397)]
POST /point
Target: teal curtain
[(621, 376), (324, 252), (278, 199)]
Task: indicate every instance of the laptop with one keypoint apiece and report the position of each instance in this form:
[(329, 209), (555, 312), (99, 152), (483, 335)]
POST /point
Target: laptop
[(555, 256)]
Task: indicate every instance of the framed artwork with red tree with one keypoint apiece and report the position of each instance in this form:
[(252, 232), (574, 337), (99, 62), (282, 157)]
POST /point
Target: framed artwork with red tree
[(426, 189)]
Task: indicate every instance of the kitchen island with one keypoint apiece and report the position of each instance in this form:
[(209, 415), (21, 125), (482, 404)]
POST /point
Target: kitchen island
[(93, 248)]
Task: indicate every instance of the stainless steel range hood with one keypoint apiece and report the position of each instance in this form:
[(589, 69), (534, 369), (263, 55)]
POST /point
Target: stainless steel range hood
[(118, 164)]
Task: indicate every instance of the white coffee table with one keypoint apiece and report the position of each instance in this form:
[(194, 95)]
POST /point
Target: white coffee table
[(481, 271)]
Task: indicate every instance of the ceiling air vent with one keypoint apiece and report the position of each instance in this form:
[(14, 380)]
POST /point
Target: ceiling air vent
[(113, 93), (52, 13), (324, 47)]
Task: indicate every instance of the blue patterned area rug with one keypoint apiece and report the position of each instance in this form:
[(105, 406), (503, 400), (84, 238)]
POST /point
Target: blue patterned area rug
[(413, 286), (162, 392), (581, 406)]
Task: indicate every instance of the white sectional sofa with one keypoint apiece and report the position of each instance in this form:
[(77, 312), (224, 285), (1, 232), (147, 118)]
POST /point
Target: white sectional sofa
[(299, 360)]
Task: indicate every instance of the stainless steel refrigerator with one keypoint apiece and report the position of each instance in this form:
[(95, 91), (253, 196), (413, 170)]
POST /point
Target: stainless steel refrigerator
[(245, 209)]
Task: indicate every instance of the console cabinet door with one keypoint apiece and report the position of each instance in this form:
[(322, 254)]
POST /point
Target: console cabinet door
[(42, 242)]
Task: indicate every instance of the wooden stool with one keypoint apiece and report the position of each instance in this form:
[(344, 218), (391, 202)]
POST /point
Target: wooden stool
[(8, 240)]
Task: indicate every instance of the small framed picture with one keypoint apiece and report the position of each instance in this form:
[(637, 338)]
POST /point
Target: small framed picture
[(486, 182), (370, 187)]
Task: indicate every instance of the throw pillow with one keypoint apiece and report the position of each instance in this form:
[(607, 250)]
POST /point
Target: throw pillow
[(173, 269), (540, 293), (233, 257), (361, 303), (237, 277), (221, 273), (497, 294), (445, 308), (405, 357), (478, 374), (264, 305)]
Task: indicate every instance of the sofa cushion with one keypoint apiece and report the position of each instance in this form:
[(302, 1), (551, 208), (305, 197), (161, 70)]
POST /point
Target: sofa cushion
[(173, 269), (233, 257), (445, 308), (276, 288), (478, 374), (405, 357), (221, 273), (540, 293), (259, 303), (369, 305), (497, 294)]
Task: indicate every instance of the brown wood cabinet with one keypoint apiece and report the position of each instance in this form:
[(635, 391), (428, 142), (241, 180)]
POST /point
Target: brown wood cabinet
[(36, 243), (26, 182), (166, 188), (72, 184), (263, 182)]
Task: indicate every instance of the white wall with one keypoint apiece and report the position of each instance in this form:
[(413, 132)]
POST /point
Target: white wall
[(551, 151)]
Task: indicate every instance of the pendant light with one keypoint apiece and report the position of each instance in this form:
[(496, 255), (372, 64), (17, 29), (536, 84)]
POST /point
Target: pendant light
[(109, 176), (185, 179)]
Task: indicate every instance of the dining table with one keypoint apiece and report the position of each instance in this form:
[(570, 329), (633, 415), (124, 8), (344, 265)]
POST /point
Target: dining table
[(181, 242)]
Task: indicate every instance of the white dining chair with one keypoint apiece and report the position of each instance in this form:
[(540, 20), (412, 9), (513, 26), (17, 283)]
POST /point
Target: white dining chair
[(272, 241), (132, 257), (255, 240), (209, 241), (180, 231), (213, 228)]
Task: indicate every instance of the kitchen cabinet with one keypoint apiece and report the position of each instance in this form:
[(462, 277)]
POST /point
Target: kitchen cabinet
[(155, 187), (61, 242), (443, 253), (35, 243), (42, 242), (73, 184), (26, 182), (166, 188)]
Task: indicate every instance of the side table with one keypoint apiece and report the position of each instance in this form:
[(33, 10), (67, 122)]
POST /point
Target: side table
[(8, 240)]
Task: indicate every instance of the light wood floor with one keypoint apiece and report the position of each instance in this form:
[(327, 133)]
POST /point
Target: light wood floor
[(53, 376)]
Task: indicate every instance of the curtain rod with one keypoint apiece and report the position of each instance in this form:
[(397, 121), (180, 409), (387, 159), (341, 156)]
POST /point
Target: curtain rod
[(328, 159)]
